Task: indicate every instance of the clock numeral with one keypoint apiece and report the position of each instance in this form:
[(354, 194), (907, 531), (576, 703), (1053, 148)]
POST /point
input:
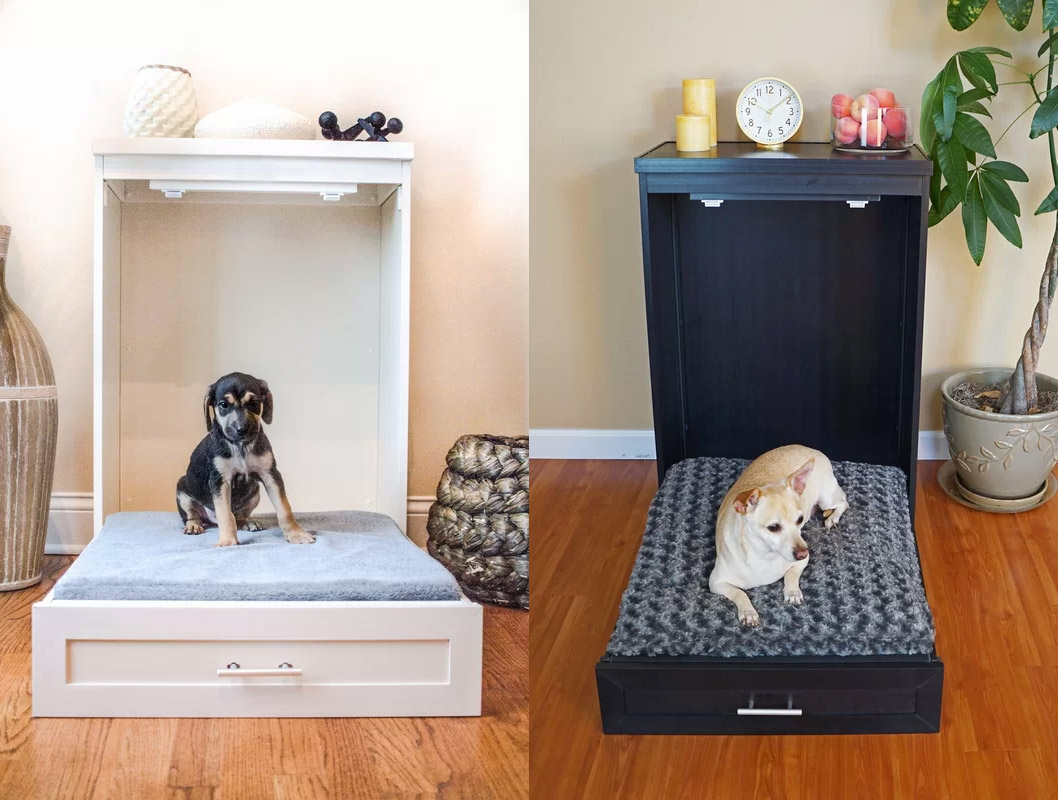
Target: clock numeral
[(770, 89), (749, 110), (758, 92), (789, 99), (788, 122), (780, 130), (770, 134)]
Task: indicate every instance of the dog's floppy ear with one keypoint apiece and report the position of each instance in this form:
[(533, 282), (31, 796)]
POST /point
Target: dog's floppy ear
[(207, 407), (266, 403), (747, 501), (798, 480)]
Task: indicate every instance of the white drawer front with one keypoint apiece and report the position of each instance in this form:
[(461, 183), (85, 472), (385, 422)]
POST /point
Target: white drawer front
[(160, 662), (347, 659)]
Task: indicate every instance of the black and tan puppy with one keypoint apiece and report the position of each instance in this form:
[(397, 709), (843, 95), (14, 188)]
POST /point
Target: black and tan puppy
[(221, 484)]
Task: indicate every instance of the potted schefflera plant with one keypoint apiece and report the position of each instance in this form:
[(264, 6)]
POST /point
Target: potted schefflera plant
[(1001, 424)]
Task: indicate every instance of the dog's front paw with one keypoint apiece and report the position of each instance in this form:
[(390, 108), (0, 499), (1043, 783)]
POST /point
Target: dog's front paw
[(250, 525), (193, 528), (794, 597), (832, 515), (299, 536), (749, 617), (227, 542)]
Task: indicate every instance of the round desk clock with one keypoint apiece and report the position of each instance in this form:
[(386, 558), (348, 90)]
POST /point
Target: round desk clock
[(769, 112)]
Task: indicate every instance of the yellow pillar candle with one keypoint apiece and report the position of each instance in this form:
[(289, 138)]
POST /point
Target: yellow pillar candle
[(699, 97), (692, 133)]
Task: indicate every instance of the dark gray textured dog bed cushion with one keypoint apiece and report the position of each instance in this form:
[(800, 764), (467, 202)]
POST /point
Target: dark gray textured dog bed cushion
[(358, 555), (863, 586)]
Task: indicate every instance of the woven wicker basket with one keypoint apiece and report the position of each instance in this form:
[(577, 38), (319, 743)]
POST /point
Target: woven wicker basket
[(479, 526)]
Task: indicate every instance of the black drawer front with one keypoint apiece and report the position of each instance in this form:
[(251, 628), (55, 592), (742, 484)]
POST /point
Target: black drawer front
[(816, 701), (668, 697)]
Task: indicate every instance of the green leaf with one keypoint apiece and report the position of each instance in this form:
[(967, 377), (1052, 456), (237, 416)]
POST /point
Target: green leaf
[(952, 162), (1050, 202), (951, 84), (1049, 41), (934, 183), (1001, 216), (1046, 116), (1050, 13), (991, 51), (972, 134), (947, 203), (964, 13), (978, 70), (1007, 171), (1001, 192), (970, 95), (971, 157), (974, 108), (926, 130), (974, 221), (1017, 13)]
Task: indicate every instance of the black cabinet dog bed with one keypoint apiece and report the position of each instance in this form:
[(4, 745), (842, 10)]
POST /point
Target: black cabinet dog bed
[(863, 585), (784, 298)]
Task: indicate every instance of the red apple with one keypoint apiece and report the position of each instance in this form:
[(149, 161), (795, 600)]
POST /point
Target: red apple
[(895, 120), (841, 105), (885, 98), (876, 133), (846, 130), (864, 101)]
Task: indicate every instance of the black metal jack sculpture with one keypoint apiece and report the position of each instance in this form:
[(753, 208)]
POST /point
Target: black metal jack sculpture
[(375, 126)]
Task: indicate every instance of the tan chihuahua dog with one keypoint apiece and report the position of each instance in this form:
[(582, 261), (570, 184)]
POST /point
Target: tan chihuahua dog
[(758, 528)]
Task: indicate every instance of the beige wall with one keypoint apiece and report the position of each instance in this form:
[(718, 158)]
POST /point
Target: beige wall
[(606, 78), (459, 81)]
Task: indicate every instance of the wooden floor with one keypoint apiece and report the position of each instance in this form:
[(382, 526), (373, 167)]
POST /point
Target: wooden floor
[(485, 757), (992, 581)]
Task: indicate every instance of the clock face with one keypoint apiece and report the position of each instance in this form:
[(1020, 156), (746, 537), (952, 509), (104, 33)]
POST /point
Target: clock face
[(769, 111)]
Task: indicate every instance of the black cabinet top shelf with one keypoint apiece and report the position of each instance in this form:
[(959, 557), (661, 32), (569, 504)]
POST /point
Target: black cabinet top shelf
[(796, 157)]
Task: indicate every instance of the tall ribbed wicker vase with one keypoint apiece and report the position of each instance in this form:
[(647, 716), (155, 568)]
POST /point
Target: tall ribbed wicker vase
[(29, 418)]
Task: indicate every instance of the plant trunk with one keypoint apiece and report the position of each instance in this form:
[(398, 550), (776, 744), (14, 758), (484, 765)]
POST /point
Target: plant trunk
[(1020, 394)]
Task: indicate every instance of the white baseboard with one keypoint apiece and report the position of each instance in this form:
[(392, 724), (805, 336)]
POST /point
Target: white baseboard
[(70, 522), (583, 443), (418, 510), (932, 446), (615, 445)]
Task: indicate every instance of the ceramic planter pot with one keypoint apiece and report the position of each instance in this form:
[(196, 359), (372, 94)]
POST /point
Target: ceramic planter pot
[(1002, 456)]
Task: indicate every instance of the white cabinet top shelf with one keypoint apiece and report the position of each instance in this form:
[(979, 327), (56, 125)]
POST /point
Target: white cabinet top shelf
[(275, 148), (145, 170)]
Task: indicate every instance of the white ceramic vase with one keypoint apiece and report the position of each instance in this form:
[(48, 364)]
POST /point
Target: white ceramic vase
[(161, 102)]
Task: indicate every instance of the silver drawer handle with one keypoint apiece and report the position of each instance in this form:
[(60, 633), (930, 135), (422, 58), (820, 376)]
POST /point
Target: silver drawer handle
[(789, 711), (284, 670)]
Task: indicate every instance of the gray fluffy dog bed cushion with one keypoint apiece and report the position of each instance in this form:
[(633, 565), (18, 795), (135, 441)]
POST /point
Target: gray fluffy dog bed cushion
[(358, 555), (863, 586)]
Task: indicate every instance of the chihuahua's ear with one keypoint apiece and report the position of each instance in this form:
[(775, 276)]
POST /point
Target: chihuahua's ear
[(266, 402), (747, 501), (207, 407), (798, 480)]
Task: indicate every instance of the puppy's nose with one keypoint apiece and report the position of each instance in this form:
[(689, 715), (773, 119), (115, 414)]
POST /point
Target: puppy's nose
[(241, 429), (801, 553)]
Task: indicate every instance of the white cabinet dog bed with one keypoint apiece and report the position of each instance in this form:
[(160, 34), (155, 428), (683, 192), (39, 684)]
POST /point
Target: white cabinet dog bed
[(289, 260)]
